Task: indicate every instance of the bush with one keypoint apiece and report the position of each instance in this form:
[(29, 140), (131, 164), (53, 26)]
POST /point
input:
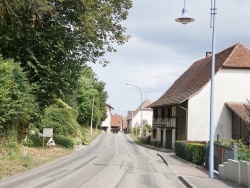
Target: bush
[(243, 150), (9, 147), (191, 151), (64, 141), (148, 140), (136, 130), (63, 120), (33, 140)]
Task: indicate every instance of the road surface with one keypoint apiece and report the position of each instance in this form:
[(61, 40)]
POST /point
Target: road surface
[(111, 161)]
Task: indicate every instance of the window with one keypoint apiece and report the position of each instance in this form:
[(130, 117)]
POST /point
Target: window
[(169, 112), (162, 112), (155, 113)]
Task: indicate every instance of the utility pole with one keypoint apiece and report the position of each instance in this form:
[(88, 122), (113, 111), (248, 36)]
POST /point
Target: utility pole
[(91, 124)]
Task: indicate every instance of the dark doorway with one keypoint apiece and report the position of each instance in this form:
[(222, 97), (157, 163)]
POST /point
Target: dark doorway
[(161, 137), (169, 138)]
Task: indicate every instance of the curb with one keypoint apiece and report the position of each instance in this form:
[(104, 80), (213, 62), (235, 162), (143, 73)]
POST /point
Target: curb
[(184, 180)]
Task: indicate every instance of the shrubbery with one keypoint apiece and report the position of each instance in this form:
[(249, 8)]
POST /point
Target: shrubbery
[(64, 141), (8, 147), (243, 150), (16, 101), (191, 151)]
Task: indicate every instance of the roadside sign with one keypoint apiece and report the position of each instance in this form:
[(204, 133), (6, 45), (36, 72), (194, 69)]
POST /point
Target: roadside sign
[(47, 132)]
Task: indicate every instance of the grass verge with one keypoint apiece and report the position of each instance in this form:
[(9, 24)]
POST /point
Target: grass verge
[(136, 139), (24, 158)]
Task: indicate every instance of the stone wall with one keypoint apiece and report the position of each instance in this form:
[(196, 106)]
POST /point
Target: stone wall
[(236, 171)]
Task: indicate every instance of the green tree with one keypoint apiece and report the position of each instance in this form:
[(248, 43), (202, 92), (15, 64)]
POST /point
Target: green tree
[(16, 102), (53, 39), (90, 88)]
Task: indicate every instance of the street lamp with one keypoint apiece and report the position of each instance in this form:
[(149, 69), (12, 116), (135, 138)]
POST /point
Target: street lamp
[(184, 20), (132, 113), (141, 107)]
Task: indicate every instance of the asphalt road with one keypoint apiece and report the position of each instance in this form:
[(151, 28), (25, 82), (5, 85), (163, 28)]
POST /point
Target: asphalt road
[(111, 161)]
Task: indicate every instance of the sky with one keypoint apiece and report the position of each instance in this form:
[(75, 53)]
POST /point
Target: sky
[(160, 49)]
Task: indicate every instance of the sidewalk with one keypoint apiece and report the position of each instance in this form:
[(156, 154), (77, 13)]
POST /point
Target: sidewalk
[(192, 176)]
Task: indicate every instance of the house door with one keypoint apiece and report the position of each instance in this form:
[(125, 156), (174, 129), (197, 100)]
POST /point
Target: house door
[(161, 137), (169, 138)]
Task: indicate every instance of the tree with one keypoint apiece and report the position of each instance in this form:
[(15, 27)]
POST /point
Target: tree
[(91, 88), (16, 102), (54, 39)]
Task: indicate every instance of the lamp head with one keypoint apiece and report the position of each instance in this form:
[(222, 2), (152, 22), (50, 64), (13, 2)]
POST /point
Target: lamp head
[(184, 19)]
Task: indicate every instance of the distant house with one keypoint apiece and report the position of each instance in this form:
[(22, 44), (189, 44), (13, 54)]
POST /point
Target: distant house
[(134, 117), (116, 123), (106, 124), (183, 111)]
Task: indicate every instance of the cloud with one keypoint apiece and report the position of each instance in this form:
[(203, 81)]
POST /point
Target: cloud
[(160, 49)]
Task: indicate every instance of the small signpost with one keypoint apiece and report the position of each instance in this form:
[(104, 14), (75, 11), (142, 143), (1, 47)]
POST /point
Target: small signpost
[(47, 132)]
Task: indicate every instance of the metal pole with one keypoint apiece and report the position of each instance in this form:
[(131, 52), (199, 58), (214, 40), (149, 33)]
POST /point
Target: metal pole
[(92, 116), (211, 146)]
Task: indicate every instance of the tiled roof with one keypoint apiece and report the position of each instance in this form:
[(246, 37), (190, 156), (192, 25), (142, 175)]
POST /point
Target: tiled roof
[(116, 120), (241, 109), (199, 73)]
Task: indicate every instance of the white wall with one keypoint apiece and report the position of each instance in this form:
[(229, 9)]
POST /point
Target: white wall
[(147, 114), (107, 121), (231, 85)]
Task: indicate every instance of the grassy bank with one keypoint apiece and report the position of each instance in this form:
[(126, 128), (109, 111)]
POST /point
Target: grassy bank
[(136, 139), (18, 158)]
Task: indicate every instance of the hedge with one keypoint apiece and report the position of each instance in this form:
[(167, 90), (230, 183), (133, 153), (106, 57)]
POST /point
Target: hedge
[(193, 152)]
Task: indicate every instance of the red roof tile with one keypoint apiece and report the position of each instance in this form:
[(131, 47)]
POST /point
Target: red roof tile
[(241, 109), (116, 120), (199, 73)]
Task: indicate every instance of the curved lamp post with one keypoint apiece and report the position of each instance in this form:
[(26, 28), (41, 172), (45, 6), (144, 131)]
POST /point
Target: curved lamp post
[(132, 113), (141, 133), (184, 20)]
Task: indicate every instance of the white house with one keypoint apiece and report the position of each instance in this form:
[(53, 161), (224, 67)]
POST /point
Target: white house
[(106, 124), (134, 117), (183, 111)]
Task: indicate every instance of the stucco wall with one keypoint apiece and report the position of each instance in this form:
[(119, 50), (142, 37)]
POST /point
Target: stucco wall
[(107, 121), (147, 114), (231, 85)]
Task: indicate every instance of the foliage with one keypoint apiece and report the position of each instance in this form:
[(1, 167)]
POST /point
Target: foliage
[(91, 90), (8, 146), (148, 139), (54, 39), (33, 140), (17, 104), (136, 139), (136, 131), (62, 120), (146, 128), (190, 151), (243, 150), (64, 141)]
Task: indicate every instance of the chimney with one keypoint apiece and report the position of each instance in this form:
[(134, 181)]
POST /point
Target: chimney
[(208, 54)]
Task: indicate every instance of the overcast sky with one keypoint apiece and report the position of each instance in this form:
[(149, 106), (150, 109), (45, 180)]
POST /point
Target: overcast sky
[(160, 49)]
